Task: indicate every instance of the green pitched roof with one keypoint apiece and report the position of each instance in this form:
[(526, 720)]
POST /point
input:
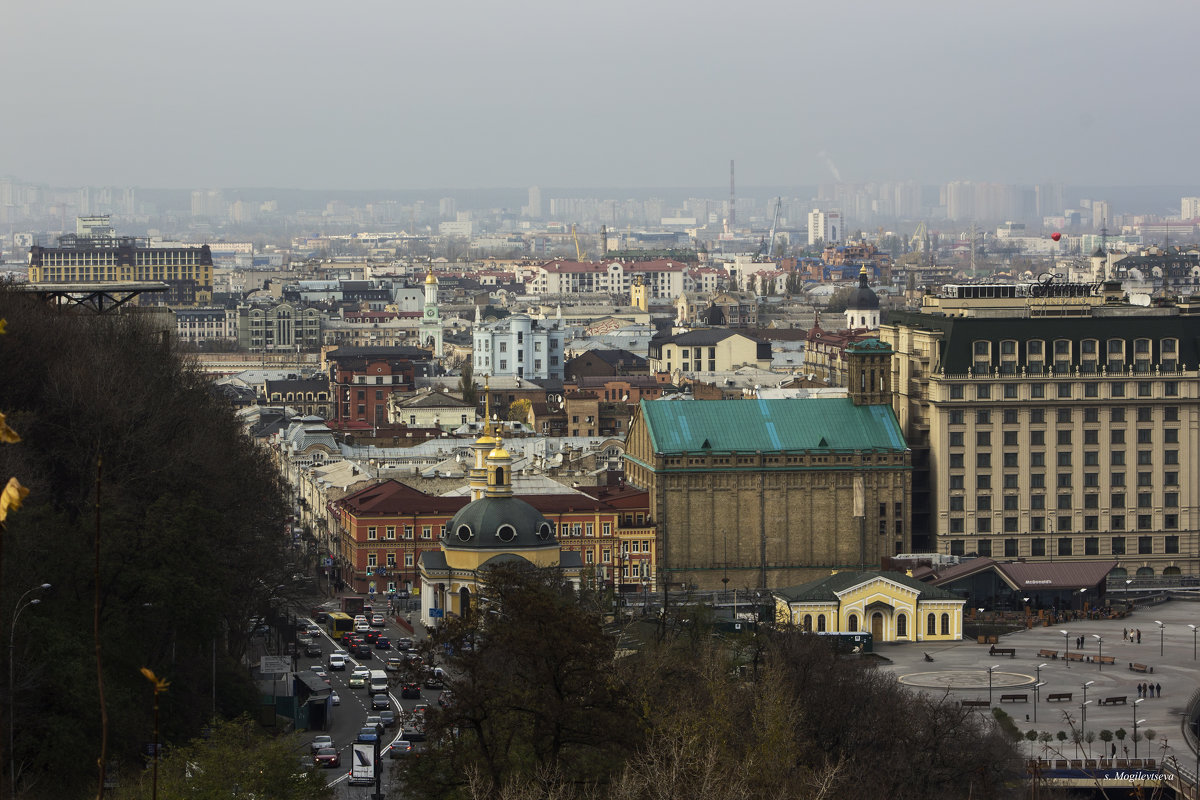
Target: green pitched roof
[(826, 589), (827, 423)]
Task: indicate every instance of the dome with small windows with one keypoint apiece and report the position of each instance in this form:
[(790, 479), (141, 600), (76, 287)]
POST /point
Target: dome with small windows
[(499, 523)]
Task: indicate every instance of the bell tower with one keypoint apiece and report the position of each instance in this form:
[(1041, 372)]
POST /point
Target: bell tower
[(431, 320)]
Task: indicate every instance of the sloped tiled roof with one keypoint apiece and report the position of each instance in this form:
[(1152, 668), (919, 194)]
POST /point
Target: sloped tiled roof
[(828, 588), (392, 497), (771, 426)]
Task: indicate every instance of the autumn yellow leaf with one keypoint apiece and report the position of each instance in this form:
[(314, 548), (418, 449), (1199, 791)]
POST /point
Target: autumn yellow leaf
[(7, 434), (160, 684), (11, 497)]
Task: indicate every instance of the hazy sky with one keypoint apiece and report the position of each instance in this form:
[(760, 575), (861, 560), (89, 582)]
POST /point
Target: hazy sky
[(391, 94)]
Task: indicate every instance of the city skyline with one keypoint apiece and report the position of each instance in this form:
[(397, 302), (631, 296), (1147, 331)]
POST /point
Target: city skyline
[(377, 96)]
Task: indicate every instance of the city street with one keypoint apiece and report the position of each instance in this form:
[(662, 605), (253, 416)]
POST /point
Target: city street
[(961, 669), (350, 716)]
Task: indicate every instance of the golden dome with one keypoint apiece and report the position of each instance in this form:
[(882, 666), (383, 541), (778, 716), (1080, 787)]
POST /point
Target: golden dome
[(498, 452), (486, 439), (429, 278)]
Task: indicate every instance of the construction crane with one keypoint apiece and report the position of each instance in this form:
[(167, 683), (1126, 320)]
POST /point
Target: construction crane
[(774, 226), (580, 254)]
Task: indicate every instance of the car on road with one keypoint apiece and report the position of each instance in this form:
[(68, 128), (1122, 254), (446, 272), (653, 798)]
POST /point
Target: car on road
[(378, 621), (394, 664), (404, 643), (445, 698), (312, 649), (419, 709), (319, 742), (434, 679), (380, 701), (327, 757), (358, 678), (376, 722), (314, 630), (399, 748), (360, 618), (410, 690), (372, 635), (320, 673), (383, 643), (334, 698), (361, 627), (337, 660), (362, 650), (389, 718), (368, 734), (413, 729)]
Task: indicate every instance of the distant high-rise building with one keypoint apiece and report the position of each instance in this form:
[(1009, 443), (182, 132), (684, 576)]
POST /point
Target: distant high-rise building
[(534, 209), (208, 203), (825, 226), (448, 208), (1101, 213), (1189, 208)]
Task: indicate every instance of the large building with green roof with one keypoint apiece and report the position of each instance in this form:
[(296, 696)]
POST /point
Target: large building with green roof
[(772, 492)]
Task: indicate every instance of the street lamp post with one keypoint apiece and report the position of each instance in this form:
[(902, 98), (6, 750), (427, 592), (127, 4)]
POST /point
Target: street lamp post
[(1036, 687), (1100, 655), (1162, 627), (1194, 629), (12, 641), (1083, 722), (1066, 647), (1136, 703), (1085, 688), (990, 670)]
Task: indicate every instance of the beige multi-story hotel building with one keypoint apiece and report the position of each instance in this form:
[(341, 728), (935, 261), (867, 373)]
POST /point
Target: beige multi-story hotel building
[(1055, 422)]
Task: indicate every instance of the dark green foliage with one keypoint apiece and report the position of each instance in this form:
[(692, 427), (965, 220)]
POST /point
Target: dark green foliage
[(191, 537)]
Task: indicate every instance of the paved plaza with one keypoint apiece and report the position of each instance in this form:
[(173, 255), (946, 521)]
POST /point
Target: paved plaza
[(960, 669)]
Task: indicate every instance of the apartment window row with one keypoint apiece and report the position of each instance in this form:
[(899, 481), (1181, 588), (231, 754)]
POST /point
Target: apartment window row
[(1144, 520), (1064, 390), (1067, 546)]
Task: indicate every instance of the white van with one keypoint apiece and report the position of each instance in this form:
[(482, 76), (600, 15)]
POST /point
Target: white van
[(378, 682)]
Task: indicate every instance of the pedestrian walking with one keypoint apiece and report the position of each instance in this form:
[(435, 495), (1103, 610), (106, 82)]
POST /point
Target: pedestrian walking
[(1124, 636), (1139, 635), (1140, 690), (1158, 689)]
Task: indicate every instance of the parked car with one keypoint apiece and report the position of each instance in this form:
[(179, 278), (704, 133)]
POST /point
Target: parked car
[(410, 690), (399, 748), (327, 757)]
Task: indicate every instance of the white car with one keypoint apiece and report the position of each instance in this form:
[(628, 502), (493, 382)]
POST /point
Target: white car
[(358, 678), (360, 619), (337, 660), (362, 627), (378, 621), (333, 698)]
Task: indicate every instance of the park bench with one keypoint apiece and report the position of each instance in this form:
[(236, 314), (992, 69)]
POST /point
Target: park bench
[(1075, 656), (1048, 654), (1014, 698), (1105, 659), (975, 704), (1060, 763), (1140, 668), (1122, 763), (1011, 652), (1054, 697), (1114, 701)]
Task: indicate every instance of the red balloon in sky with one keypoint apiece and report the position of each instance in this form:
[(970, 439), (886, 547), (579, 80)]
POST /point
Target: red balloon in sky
[(1056, 236)]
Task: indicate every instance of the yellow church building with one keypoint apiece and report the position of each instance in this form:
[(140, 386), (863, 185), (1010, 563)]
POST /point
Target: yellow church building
[(891, 606), (494, 527)]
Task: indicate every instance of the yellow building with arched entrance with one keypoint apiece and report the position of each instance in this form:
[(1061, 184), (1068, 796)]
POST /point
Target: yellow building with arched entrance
[(891, 606), (494, 527)]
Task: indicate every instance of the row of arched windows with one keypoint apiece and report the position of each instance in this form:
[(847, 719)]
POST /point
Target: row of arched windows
[(931, 624)]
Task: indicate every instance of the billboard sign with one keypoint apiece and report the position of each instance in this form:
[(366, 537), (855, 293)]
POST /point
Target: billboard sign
[(274, 665), (362, 767)]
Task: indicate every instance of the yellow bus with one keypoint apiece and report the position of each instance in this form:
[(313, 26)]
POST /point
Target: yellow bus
[(339, 623)]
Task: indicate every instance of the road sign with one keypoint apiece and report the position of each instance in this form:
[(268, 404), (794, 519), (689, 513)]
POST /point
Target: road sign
[(435, 612), (274, 665)]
